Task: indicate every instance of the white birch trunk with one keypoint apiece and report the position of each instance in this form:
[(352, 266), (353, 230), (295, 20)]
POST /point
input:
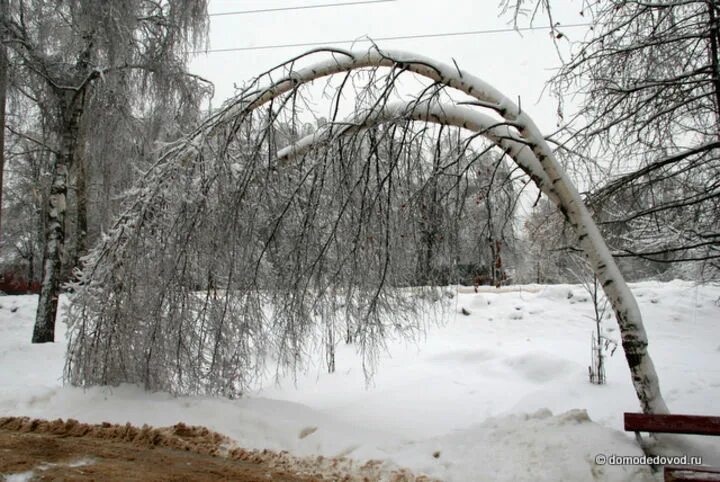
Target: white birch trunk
[(555, 183), (528, 148), (44, 330)]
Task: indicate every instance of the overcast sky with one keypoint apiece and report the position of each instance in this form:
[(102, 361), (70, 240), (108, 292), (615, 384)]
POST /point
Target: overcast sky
[(517, 64)]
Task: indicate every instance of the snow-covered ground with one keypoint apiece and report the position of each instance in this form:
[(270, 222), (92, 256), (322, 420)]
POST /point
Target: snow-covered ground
[(500, 394)]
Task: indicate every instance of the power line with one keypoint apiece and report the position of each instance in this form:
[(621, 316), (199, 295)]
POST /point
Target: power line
[(396, 37), (300, 7)]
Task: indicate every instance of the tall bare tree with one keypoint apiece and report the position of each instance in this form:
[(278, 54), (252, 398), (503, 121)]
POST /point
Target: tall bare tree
[(73, 56)]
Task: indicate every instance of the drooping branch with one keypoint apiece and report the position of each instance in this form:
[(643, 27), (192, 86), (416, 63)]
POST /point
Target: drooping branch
[(430, 111), (626, 310), (542, 165)]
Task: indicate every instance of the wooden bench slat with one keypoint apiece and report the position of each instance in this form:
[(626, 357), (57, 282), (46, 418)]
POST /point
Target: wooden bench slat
[(691, 474), (687, 424)]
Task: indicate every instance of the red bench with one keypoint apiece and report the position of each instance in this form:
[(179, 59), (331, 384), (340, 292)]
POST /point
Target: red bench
[(694, 474), (680, 424)]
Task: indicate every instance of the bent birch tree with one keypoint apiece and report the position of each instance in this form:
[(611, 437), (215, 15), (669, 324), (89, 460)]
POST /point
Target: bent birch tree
[(315, 239)]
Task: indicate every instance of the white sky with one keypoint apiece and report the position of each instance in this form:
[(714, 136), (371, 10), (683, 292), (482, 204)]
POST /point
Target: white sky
[(516, 64)]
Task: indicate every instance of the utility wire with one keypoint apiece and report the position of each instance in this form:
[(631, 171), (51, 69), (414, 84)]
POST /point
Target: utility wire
[(300, 7), (396, 37)]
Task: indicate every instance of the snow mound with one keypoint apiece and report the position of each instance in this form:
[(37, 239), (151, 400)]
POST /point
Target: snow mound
[(528, 447), (478, 302), (449, 404)]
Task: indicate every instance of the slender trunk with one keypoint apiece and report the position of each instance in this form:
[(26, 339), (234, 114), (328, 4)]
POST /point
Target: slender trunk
[(598, 320), (78, 164), (31, 268), (3, 93), (490, 261), (497, 266), (427, 255), (431, 226), (330, 347), (714, 34), (44, 330), (81, 222), (491, 234)]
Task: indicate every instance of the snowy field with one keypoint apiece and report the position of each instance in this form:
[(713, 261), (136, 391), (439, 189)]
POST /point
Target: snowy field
[(500, 394)]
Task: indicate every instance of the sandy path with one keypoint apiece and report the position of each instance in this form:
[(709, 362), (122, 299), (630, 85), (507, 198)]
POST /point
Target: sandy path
[(34, 449), (58, 450)]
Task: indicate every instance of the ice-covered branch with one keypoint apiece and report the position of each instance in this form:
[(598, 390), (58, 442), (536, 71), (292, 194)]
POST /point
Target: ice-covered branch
[(431, 111), (214, 138)]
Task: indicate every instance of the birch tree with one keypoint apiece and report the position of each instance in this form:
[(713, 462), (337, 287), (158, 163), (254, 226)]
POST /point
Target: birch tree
[(74, 55), (136, 316)]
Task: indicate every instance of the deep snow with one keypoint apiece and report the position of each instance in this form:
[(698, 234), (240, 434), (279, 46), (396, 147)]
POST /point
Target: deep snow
[(473, 400)]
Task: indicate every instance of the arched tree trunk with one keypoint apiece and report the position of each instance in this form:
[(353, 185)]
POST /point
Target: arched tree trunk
[(555, 183), (515, 133)]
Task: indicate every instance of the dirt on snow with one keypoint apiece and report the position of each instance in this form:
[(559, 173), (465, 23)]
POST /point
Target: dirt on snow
[(34, 449)]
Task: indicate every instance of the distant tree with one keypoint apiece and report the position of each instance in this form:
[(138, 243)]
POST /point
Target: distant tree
[(86, 66), (546, 234), (647, 77), (3, 101)]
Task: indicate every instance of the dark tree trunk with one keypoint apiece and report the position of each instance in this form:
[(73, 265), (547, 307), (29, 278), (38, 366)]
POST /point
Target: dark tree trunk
[(430, 226), (426, 255), (31, 267), (3, 93), (714, 48), (78, 164), (81, 221), (498, 277)]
